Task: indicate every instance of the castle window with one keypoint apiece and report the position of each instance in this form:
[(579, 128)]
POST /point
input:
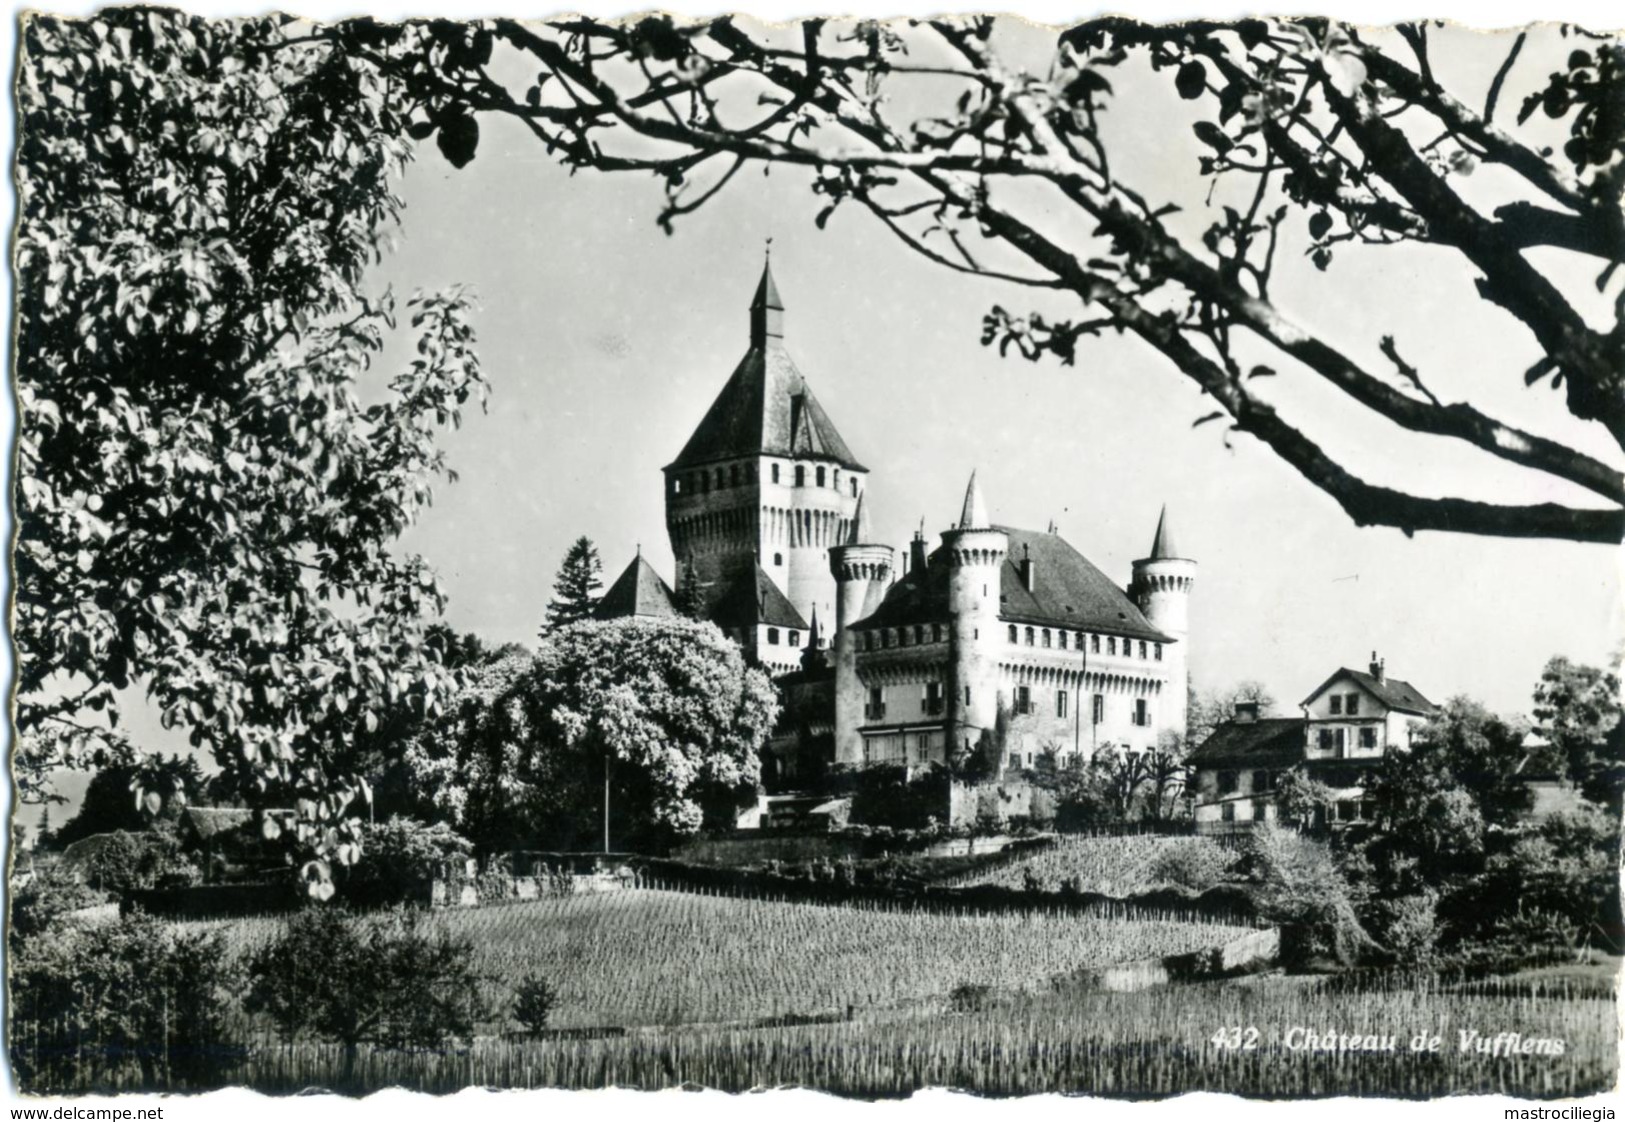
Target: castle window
[(1142, 713), (967, 696), (820, 476), (1142, 648), (778, 559), (931, 702), (902, 637), (775, 473), (1098, 711), (773, 636), (795, 638), (733, 476), (1337, 705), (891, 637), (1012, 633), (720, 480), (801, 476), (1060, 703), (1094, 644), (1046, 636), (919, 633), (1029, 636), (835, 479), (1159, 652), (936, 632), (705, 482), (1111, 645), (1024, 699), (876, 709), (676, 485), (854, 486), (1060, 639)]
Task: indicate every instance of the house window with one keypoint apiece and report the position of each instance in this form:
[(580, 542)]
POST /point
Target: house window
[(1368, 737), (1325, 740), (1060, 703), (1029, 636), (932, 702), (1094, 644), (1142, 714), (876, 709), (1261, 781), (801, 476), (1046, 636), (1012, 633), (1228, 781), (1024, 699), (820, 476), (1227, 812), (775, 473), (1098, 711), (1353, 706), (1260, 809), (1015, 761), (795, 638), (1337, 705), (772, 636), (1158, 649)]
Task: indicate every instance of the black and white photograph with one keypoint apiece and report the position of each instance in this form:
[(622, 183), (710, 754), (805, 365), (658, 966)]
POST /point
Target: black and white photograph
[(858, 554)]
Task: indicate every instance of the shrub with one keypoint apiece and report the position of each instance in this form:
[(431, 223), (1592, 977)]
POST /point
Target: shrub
[(37, 900), (88, 1001), (401, 858), (1295, 884), (122, 862), (1190, 863), (384, 979), (970, 997), (533, 1003)]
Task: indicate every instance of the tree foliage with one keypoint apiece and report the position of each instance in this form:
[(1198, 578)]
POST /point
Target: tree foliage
[(1209, 709), (519, 759), (206, 509), (576, 588), (132, 796), (1578, 708), (1315, 137)]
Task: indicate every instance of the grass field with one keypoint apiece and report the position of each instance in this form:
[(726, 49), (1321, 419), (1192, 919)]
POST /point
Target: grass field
[(648, 958), (1118, 866)]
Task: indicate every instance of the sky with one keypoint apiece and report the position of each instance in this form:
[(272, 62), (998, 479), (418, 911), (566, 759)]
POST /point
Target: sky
[(605, 340)]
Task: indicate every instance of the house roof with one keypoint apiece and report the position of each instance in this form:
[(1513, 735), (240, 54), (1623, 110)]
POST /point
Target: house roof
[(752, 600), (1392, 692), (208, 821), (638, 591), (1068, 591), (1266, 742), (766, 408)]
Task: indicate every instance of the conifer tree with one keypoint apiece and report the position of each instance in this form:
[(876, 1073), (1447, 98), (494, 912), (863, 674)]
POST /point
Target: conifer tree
[(690, 600), (575, 589)]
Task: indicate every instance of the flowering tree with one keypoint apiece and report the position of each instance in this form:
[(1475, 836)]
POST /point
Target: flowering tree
[(669, 708), (1328, 139), (205, 508)]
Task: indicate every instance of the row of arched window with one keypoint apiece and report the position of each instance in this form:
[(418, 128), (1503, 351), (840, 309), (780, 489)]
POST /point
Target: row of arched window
[(915, 636), (1044, 637), (737, 475)]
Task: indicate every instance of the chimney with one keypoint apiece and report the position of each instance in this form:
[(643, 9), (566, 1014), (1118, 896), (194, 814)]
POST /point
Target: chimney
[(916, 550), (1026, 569), (1377, 666), (1246, 712)]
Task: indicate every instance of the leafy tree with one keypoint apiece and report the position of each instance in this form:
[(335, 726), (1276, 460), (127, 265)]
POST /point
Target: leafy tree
[(1578, 709), (534, 1002), (1316, 138), (1302, 801), (88, 1000), (131, 796), (575, 590), (670, 704), (401, 859), (1466, 744), (1207, 711), (1166, 774), (386, 979), (121, 862), (206, 511), (1296, 883)]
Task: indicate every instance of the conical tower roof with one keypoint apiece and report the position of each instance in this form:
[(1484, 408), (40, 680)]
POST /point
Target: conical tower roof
[(859, 532), (638, 591), (767, 292), (973, 516), (1162, 546)]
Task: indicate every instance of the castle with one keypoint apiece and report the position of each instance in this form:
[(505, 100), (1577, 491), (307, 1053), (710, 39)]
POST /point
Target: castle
[(1002, 641)]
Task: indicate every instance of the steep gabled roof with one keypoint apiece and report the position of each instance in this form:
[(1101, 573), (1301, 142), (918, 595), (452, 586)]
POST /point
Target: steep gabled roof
[(752, 600), (1068, 591), (638, 591), (1266, 742), (1392, 692)]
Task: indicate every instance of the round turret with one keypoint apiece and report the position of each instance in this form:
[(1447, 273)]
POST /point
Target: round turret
[(1161, 589), (975, 553)]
